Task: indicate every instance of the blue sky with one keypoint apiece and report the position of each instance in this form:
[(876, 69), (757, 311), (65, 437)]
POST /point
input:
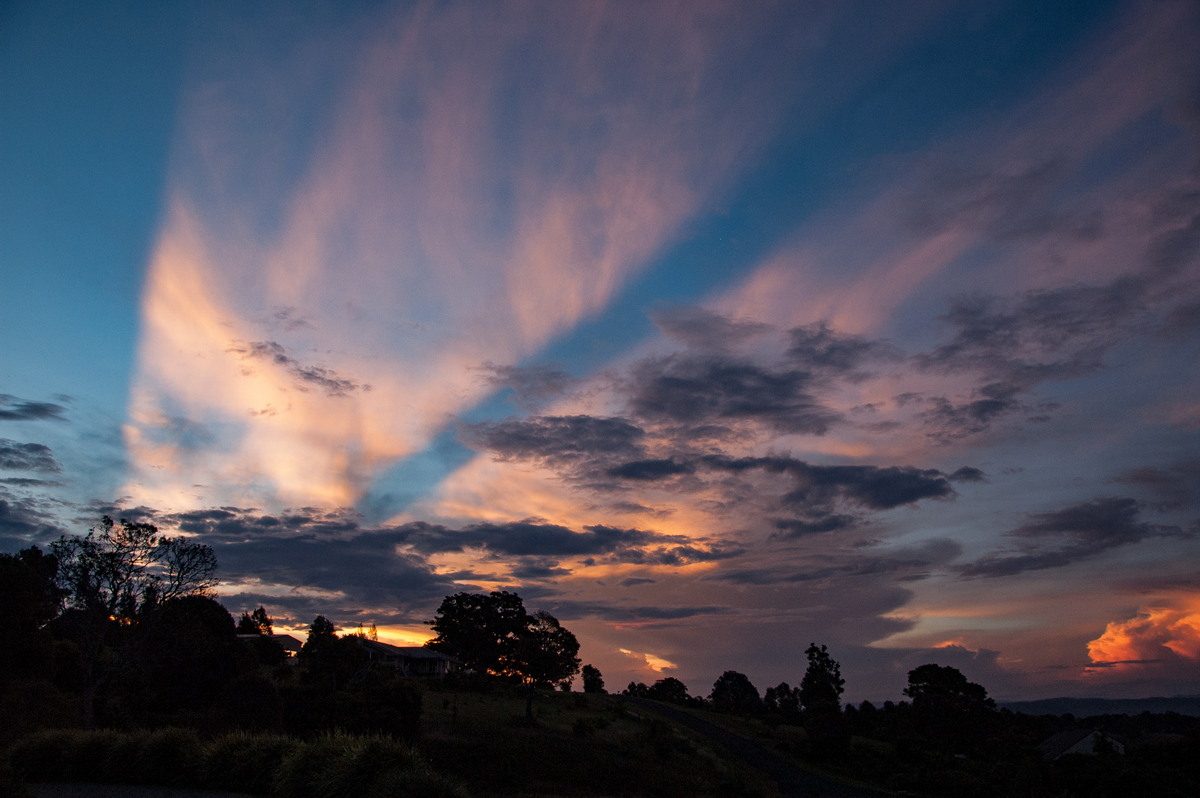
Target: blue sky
[(711, 329)]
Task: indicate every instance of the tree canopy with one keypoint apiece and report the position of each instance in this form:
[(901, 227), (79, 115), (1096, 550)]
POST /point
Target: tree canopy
[(822, 686), (734, 692), (493, 634)]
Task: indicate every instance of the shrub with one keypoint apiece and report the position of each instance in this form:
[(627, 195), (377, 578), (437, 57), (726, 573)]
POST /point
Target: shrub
[(169, 757), (43, 755), (342, 766), (244, 762)]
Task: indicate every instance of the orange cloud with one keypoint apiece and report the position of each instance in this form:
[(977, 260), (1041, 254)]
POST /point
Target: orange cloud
[(1165, 631)]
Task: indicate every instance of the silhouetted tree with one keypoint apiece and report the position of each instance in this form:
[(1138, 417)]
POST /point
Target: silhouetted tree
[(670, 690), (493, 634), (820, 700), (29, 599), (546, 652), (112, 576), (636, 690), (256, 622), (733, 692), (186, 654), (328, 659), (783, 701), (949, 710), (822, 686), (593, 681), (481, 630)]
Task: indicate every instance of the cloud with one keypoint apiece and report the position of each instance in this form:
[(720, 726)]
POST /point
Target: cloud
[(23, 523), (822, 349), (1176, 485), (651, 470), (909, 563), (698, 390), (13, 408), (1162, 633), (1062, 537), (305, 377), (533, 385), (868, 486), (704, 329), (558, 440), (27, 457)]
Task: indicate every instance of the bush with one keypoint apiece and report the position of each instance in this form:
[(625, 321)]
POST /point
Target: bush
[(43, 755), (170, 757), (244, 762), (342, 766)]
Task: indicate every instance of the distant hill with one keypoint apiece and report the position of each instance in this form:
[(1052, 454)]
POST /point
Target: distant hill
[(1085, 707)]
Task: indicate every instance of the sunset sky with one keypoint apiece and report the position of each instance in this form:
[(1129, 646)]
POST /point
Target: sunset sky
[(712, 329)]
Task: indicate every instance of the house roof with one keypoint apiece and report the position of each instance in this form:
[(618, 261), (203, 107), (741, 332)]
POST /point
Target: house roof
[(409, 652), (1058, 744)]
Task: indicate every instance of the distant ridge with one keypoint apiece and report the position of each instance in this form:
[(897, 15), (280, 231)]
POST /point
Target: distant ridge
[(1085, 707)]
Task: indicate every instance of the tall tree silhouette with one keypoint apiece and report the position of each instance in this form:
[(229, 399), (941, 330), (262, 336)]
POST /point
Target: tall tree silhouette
[(115, 574)]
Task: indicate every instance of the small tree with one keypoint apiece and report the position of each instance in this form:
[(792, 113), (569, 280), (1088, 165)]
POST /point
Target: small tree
[(256, 623), (593, 681), (821, 702), (822, 686), (733, 692), (670, 690)]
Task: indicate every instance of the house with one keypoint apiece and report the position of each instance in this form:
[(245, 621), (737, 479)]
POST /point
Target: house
[(409, 660), (290, 645), (1078, 741)]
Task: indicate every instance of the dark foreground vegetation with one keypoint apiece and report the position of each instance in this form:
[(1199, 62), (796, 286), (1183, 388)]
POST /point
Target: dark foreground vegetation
[(119, 667)]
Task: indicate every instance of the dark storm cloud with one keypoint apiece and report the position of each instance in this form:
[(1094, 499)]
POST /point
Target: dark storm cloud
[(1176, 485), (524, 538), (1062, 537), (1015, 344), (699, 328), (27, 457), (872, 487), (694, 390), (305, 377), (558, 440), (533, 385), (967, 474), (329, 563), (823, 350), (651, 470), (13, 408), (791, 528), (618, 613), (905, 564), (532, 538), (23, 524)]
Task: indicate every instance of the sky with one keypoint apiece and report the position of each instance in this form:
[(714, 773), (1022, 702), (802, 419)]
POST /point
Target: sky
[(712, 329)]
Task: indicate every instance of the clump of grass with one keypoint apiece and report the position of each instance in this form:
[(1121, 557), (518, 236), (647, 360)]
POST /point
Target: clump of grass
[(121, 755), (170, 757), (343, 766), (43, 755), (244, 762)]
